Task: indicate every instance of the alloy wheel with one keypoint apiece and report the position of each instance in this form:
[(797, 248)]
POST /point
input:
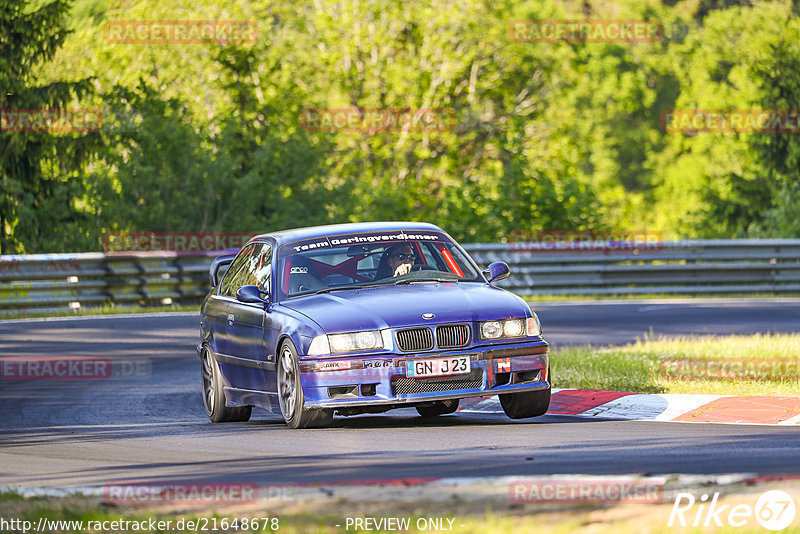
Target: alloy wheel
[(286, 383)]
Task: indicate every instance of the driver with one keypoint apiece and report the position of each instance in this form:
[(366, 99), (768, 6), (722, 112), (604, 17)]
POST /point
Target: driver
[(399, 259)]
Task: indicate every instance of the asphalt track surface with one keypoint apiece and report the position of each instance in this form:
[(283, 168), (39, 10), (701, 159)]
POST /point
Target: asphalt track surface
[(149, 425)]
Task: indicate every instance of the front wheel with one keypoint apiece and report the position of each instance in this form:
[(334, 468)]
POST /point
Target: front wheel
[(527, 404), (214, 395), (290, 393)]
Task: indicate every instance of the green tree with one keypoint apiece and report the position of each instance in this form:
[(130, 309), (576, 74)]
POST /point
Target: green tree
[(547, 135), (41, 186), (158, 172), (779, 152), (273, 182), (719, 184)]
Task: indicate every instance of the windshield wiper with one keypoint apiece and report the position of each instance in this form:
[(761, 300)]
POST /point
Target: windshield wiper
[(397, 283), (429, 279), (336, 288)]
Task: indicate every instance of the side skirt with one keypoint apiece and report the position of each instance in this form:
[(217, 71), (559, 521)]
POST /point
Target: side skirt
[(250, 397)]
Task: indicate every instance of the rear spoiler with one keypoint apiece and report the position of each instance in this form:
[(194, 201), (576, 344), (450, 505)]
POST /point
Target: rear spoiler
[(216, 264)]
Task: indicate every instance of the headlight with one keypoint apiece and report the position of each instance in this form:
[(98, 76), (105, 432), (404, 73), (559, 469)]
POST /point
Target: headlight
[(368, 340), (351, 342), (510, 328), (341, 342), (514, 328), (492, 330)]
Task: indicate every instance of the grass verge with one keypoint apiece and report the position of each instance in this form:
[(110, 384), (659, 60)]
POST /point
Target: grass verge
[(461, 516), (759, 364), (101, 310)]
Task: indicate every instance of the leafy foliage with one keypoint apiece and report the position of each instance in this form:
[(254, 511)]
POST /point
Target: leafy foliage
[(40, 173), (560, 136)]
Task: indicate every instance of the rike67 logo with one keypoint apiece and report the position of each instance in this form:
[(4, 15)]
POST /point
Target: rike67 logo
[(774, 510)]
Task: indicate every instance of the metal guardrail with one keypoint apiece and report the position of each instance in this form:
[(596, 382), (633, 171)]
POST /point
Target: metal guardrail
[(63, 282), (678, 267)]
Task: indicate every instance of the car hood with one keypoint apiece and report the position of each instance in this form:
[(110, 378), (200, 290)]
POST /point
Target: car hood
[(399, 306)]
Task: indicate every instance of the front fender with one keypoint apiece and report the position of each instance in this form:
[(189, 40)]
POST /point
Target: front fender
[(295, 326)]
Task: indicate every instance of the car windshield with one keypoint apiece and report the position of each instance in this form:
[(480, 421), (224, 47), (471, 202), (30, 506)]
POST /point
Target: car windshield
[(332, 263)]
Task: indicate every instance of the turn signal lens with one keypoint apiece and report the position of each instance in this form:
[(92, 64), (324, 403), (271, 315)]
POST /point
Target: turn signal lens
[(319, 345), (533, 326)]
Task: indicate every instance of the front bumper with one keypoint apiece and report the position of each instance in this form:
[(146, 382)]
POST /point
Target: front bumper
[(380, 379)]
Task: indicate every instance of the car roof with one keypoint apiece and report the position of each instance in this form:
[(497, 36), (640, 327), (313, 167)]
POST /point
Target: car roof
[(297, 234)]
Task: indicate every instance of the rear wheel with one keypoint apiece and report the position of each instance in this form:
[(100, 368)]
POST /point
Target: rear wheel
[(527, 404), (290, 393), (214, 396), (438, 408)]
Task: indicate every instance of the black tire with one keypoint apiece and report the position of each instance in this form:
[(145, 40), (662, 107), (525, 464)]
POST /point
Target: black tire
[(290, 393), (214, 395), (527, 404), (438, 408)]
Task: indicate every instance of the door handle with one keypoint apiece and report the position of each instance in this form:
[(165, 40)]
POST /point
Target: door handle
[(230, 319)]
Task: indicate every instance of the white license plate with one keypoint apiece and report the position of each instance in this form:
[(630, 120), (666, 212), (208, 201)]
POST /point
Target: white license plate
[(444, 366)]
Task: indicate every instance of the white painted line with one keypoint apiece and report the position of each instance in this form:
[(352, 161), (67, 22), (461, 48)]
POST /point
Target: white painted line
[(634, 407), (664, 407), (793, 421), (486, 406), (679, 404)]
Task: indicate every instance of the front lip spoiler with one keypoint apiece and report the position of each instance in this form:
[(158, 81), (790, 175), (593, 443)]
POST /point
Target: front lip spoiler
[(415, 399)]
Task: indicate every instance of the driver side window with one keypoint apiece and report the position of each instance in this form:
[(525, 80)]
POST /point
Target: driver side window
[(229, 283), (258, 268)]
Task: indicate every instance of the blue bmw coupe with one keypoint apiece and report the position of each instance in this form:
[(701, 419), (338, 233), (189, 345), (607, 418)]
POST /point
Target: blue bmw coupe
[(363, 318)]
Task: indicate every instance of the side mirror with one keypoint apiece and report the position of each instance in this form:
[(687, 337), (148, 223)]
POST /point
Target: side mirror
[(251, 295), (497, 271)]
